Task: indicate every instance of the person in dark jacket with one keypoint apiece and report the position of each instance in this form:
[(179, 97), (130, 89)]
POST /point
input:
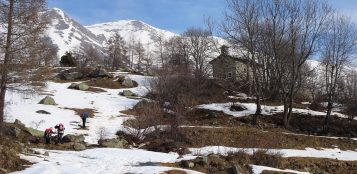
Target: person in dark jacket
[(47, 135), (84, 117), (60, 131)]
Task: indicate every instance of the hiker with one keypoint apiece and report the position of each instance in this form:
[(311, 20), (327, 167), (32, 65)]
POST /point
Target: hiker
[(84, 117), (47, 135), (60, 131)]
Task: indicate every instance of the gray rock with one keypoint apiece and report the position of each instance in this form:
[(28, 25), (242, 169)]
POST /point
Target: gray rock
[(237, 107), (14, 131), (18, 122), (236, 169), (113, 143), (43, 112), (79, 146), (2, 170), (201, 160), (80, 86), (128, 83), (48, 101), (127, 93), (121, 79), (187, 164), (98, 72), (46, 153), (73, 138), (72, 76), (83, 87)]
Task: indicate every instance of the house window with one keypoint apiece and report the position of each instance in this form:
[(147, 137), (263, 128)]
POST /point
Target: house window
[(229, 75)]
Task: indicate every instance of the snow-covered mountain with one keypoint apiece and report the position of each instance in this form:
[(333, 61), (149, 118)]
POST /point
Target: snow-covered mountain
[(68, 34), (130, 30)]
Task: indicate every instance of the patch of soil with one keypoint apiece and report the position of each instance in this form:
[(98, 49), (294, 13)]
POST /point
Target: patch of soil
[(11, 146), (311, 125), (175, 172), (96, 90), (91, 112), (254, 137), (316, 165)]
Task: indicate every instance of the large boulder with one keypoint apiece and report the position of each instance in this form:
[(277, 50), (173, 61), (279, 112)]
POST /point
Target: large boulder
[(71, 75), (236, 169), (113, 143), (14, 131), (79, 146), (98, 72), (18, 122), (127, 93), (35, 132), (121, 79), (73, 138), (237, 107), (128, 83), (48, 101), (80, 86)]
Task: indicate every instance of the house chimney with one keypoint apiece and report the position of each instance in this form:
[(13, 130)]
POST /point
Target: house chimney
[(224, 50)]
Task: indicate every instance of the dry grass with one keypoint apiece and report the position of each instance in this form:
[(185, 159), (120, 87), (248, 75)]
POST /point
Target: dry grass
[(91, 112), (175, 172), (96, 90), (251, 137)]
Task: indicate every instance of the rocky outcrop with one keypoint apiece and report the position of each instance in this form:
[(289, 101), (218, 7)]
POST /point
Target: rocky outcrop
[(99, 72), (73, 138), (47, 101), (128, 93), (80, 86), (237, 107), (43, 112), (128, 83), (113, 143), (79, 146)]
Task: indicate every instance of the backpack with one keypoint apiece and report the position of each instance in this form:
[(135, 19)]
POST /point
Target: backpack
[(48, 131), (84, 115), (60, 126)]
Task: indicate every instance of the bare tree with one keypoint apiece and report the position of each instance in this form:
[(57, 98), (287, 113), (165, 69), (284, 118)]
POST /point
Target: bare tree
[(140, 54), (200, 41), (242, 28), (86, 57), (22, 27), (338, 48), (292, 31), (117, 51)]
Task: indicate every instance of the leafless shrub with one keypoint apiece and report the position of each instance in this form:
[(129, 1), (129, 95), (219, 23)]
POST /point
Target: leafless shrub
[(148, 121), (102, 134), (36, 125), (266, 158)]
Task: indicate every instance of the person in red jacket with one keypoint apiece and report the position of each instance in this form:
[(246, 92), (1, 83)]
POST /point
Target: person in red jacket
[(47, 135), (60, 131)]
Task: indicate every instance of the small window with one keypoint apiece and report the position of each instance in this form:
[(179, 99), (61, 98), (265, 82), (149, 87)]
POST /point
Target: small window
[(229, 75)]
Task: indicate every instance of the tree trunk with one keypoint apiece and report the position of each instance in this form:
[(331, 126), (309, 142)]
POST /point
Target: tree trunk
[(258, 111), (7, 56), (328, 115), (291, 104), (285, 114)]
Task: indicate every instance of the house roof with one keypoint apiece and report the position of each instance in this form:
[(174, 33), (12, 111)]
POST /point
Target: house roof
[(222, 57)]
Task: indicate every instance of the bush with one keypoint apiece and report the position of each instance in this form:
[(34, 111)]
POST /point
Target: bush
[(264, 158), (68, 60)]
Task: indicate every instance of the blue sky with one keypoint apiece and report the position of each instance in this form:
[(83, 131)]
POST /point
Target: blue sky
[(172, 15)]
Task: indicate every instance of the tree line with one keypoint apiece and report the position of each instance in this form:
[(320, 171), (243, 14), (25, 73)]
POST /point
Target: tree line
[(281, 36)]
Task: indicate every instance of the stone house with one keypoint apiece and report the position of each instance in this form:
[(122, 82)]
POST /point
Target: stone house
[(229, 68)]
